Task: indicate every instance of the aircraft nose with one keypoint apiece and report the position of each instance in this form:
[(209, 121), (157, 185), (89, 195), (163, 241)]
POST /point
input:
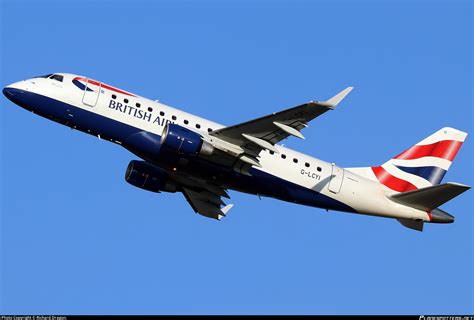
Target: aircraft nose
[(13, 94)]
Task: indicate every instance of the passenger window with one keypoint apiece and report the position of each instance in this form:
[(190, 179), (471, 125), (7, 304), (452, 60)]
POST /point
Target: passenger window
[(162, 113), (125, 100), (271, 152), (186, 121), (295, 160), (137, 105), (209, 130), (198, 125), (57, 77), (319, 169), (283, 156), (114, 96), (150, 109), (173, 117), (306, 165)]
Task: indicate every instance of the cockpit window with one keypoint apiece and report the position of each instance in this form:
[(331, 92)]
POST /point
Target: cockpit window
[(46, 76), (57, 77)]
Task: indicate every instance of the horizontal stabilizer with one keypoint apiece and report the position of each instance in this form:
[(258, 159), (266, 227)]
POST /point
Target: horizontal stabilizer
[(430, 198)]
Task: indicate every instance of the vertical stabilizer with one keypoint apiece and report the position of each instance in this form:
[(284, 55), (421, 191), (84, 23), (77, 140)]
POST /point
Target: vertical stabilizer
[(423, 165)]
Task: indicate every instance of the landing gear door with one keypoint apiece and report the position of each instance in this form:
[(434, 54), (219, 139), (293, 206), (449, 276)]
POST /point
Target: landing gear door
[(91, 93), (337, 176)]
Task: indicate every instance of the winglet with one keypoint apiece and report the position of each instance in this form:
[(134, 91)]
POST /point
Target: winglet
[(334, 101)]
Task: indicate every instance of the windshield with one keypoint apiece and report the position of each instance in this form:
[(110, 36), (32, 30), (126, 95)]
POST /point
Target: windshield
[(46, 76), (57, 77)]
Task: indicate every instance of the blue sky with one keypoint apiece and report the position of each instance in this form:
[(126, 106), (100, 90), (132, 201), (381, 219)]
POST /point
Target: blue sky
[(77, 239)]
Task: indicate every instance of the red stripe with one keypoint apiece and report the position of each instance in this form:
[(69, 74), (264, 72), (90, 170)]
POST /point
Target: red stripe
[(429, 215), (392, 182), (446, 149), (104, 86)]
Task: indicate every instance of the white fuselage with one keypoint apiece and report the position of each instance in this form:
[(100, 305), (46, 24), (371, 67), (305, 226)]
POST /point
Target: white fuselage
[(363, 194)]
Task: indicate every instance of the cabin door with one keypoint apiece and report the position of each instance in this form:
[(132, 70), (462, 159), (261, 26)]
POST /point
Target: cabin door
[(91, 93)]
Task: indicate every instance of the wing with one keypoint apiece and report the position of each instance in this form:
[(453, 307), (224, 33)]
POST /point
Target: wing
[(206, 203), (204, 197), (263, 133)]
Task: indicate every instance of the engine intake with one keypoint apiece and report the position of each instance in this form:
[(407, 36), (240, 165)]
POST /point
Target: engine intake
[(184, 141), (144, 175)]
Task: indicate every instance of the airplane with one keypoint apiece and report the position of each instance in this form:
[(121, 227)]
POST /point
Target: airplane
[(181, 152)]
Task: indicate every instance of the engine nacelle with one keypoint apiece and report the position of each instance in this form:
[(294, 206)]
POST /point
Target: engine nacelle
[(144, 175), (178, 139)]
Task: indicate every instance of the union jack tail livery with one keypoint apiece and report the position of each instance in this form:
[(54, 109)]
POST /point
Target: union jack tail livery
[(422, 165)]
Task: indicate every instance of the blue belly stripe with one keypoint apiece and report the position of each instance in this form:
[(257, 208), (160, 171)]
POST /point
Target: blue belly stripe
[(259, 182)]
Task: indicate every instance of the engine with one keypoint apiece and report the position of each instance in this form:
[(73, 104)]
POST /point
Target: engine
[(177, 139), (175, 143), (146, 176)]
